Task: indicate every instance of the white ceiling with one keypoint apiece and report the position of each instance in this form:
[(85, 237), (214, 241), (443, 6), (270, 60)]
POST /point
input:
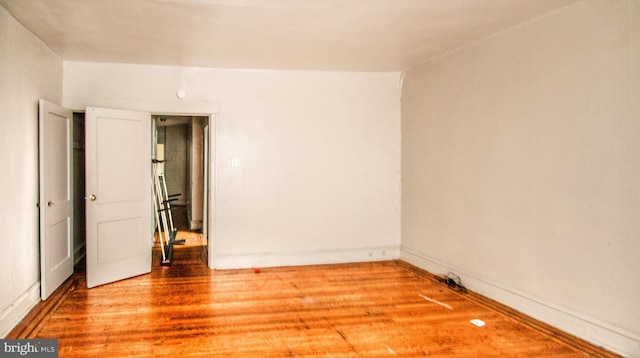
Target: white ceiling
[(349, 35)]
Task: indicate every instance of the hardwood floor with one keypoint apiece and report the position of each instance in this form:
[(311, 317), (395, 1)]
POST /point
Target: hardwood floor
[(364, 309)]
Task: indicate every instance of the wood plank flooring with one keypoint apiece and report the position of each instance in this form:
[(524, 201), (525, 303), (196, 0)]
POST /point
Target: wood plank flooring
[(364, 309)]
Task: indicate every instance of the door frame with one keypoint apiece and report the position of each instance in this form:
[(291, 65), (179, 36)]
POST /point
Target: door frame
[(208, 109)]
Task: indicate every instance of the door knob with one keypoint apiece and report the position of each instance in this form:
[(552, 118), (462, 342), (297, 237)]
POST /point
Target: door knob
[(50, 203), (92, 197)]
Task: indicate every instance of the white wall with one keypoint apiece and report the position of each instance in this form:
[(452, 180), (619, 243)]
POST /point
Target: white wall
[(319, 156), (28, 71), (521, 169)]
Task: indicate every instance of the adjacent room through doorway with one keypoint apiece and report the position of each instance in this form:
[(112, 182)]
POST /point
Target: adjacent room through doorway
[(179, 141)]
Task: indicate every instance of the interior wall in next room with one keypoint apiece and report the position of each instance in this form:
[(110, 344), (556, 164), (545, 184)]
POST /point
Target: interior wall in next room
[(176, 156)]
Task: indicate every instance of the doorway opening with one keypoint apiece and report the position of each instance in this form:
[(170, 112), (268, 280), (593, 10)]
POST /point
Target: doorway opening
[(179, 143), (79, 191)]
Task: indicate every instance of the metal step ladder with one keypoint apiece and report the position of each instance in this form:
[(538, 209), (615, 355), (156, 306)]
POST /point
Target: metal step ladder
[(164, 220)]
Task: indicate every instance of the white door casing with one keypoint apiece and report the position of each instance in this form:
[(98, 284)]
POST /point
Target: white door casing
[(56, 196), (118, 198)]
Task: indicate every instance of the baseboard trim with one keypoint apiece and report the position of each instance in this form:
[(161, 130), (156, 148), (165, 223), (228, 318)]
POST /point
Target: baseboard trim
[(19, 309), (37, 316), (300, 258), (597, 333), (195, 225)]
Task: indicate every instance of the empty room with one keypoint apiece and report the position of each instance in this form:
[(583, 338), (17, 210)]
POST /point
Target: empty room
[(361, 178)]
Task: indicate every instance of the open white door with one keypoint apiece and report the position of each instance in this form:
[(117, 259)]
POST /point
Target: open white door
[(56, 194), (118, 184)]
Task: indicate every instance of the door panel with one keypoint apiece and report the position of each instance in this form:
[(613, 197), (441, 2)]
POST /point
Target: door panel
[(55, 204), (118, 184)]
